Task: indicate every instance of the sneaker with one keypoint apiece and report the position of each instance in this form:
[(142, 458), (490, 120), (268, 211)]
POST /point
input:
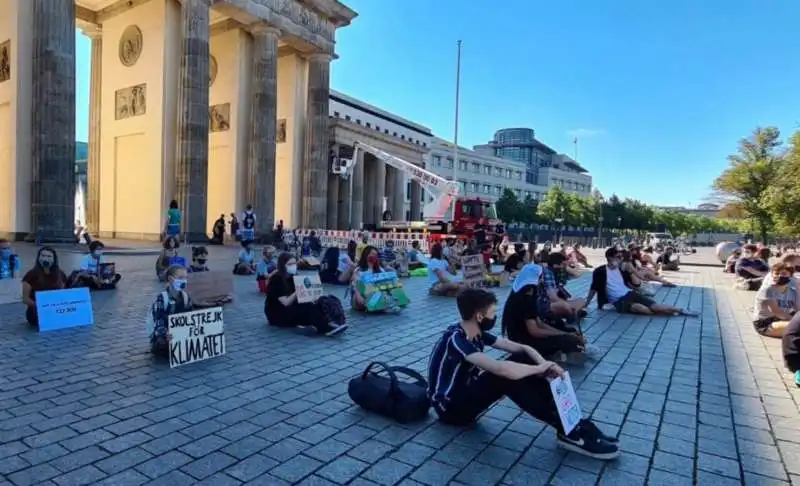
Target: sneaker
[(335, 329), (576, 358), (589, 426), (592, 352), (797, 378), (689, 313), (609, 307), (583, 441)]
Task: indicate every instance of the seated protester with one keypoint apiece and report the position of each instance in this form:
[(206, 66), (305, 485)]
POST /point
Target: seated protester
[(45, 275), (645, 273), (312, 245), (451, 253), (346, 264), (172, 300), (281, 306), (516, 260), (609, 286), (576, 257), (792, 260), (668, 260), (171, 246), (246, 265), (776, 302), (337, 266), (388, 256), (561, 302), (199, 260), (464, 381), (218, 231), (89, 273), (646, 258), (369, 262), (631, 276), (440, 273), (265, 268), (750, 270), (790, 347), (471, 248), (730, 263), (9, 261), (521, 322), (416, 259)]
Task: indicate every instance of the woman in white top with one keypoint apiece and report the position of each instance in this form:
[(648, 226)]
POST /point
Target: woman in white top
[(439, 272), (93, 271), (346, 264), (247, 260), (776, 302)]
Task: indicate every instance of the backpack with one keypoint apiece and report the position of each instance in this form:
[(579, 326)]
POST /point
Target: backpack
[(249, 221), (329, 265), (332, 308)]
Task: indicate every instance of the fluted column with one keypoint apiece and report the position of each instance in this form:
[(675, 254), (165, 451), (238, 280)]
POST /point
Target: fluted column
[(416, 196), (260, 190), (357, 195), (53, 121), (332, 202), (378, 190), (344, 201), (93, 162), (315, 161), (398, 196), (368, 200), (191, 168)]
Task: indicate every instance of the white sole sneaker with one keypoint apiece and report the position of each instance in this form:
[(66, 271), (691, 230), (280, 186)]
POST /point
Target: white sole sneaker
[(337, 330), (578, 447)]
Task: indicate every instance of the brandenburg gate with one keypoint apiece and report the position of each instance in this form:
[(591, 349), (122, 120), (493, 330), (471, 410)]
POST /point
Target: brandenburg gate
[(213, 103)]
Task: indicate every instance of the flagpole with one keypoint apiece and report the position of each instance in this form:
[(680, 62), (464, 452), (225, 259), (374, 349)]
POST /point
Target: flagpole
[(575, 141), (455, 124)]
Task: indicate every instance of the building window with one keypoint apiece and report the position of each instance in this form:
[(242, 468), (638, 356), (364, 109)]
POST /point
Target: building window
[(358, 121), (408, 191), (498, 190), (377, 128), (386, 131), (473, 187), (449, 163), (476, 168), (487, 188), (498, 172), (462, 165), (394, 134)]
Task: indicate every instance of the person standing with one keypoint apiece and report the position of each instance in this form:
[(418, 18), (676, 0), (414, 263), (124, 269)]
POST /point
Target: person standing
[(172, 225), (248, 224)]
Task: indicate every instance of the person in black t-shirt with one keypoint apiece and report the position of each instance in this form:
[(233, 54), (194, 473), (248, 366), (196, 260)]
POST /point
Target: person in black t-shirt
[(516, 261), (465, 382)]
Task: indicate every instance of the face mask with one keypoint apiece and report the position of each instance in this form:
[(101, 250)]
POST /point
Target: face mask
[(291, 269), (179, 284), (372, 260), (783, 280), (201, 261), (45, 263), (487, 323)]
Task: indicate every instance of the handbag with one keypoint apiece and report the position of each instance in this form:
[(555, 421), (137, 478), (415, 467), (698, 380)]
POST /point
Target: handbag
[(388, 396)]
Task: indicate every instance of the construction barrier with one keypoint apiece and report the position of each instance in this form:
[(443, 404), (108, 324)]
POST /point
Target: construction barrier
[(340, 239)]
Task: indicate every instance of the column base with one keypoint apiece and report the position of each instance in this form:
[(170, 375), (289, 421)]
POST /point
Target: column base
[(44, 237), (199, 238)]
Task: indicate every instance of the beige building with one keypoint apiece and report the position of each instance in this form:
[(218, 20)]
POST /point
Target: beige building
[(214, 103)]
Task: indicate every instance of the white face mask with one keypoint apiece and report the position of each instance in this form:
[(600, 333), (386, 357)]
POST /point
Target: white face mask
[(179, 284), (291, 269)]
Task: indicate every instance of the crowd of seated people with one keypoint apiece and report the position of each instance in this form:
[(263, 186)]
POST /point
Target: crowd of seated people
[(246, 262), (751, 268)]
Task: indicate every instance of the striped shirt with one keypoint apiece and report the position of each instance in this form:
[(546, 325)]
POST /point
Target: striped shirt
[(448, 370)]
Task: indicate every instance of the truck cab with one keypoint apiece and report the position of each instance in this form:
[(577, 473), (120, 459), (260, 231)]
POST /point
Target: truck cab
[(469, 213)]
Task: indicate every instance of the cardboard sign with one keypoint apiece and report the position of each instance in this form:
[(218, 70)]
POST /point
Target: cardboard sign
[(569, 411), (381, 291), (176, 260), (107, 270), (308, 288), (209, 288), (62, 309), (473, 270), (195, 336)]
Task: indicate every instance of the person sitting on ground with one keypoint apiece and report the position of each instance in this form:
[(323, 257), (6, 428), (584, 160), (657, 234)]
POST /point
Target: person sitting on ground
[(609, 286), (792, 260), (265, 268), (173, 299), (516, 260), (730, 263), (369, 262), (346, 264), (388, 256), (311, 245), (464, 381), (561, 302), (92, 269), (790, 347), (337, 266), (776, 302), (646, 258), (645, 273), (631, 276), (750, 269), (668, 260), (363, 243), (521, 322), (199, 260), (218, 231), (440, 273), (169, 256), (45, 275), (416, 259), (576, 257), (451, 253), (246, 264), (282, 308), (10, 263)]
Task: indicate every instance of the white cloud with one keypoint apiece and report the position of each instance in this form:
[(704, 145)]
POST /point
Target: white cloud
[(586, 132)]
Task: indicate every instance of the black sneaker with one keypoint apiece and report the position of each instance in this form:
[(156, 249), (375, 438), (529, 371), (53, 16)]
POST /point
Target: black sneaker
[(590, 427), (583, 441)]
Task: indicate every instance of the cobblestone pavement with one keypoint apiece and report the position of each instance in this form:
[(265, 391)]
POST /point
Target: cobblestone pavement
[(701, 400)]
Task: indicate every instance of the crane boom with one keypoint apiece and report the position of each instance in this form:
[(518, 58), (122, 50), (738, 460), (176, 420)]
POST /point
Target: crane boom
[(442, 190)]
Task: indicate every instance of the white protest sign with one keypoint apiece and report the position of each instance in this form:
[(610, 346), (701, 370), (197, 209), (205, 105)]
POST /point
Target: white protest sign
[(308, 288), (473, 269), (196, 336), (569, 411)]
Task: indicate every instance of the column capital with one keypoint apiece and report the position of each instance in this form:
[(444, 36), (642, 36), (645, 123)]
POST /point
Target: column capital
[(93, 31), (320, 57), (264, 29)]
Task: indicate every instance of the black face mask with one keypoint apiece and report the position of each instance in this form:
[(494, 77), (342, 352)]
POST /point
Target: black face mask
[(486, 324), (782, 280), (201, 261)]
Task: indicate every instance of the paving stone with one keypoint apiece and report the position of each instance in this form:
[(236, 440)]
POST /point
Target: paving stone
[(387, 472)]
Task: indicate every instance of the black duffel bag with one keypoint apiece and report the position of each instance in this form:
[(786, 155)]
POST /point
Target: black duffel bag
[(386, 395)]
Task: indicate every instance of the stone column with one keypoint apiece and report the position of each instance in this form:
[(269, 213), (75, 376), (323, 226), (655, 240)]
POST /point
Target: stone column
[(332, 203), (315, 162), (398, 196), (191, 167), (93, 162), (260, 190), (367, 188), (53, 122), (378, 190), (344, 201), (416, 196), (357, 195)]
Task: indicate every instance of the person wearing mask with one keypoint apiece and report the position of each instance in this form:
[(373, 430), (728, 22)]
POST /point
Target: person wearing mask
[(668, 260), (440, 274), (464, 381), (91, 271), (346, 264), (776, 302), (248, 224), (169, 256), (172, 222), (368, 263), (750, 269), (265, 268), (10, 262), (173, 299), (246, 263), (199, 260), (281, 306), (609, 286), (416, 259), (45, 275)]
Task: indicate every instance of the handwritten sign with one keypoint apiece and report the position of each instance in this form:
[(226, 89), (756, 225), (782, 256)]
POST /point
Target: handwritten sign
[(63, 309), (308, 288), (473, 269), (196, 336), (569, 411)]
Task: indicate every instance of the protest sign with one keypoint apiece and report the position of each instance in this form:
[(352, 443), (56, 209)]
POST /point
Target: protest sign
[(195, 336), (62, 309), (381, 291), (473, 270), (208, 289), (308, 288), (569, 411), (176, 260)]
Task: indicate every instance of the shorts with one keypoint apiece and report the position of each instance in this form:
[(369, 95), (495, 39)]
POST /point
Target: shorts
[(624, 304), (762, 325)]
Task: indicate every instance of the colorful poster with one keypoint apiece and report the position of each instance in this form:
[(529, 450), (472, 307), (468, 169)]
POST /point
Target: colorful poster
[(569, 411), (62, 309), (308, 288), (196, 336)]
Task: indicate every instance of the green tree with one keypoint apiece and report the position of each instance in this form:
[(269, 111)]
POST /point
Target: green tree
[(783, 196), (752, 171), (509, 207), (556, 205)]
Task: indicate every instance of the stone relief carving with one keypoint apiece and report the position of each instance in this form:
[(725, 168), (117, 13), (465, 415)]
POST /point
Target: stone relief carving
[(131, 101), (5, 61), (219, 118), (130, 45), (280, 132), (302, 15), (212, 70)]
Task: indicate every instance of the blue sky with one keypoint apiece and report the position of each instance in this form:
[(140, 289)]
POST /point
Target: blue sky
[(658, 92)]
